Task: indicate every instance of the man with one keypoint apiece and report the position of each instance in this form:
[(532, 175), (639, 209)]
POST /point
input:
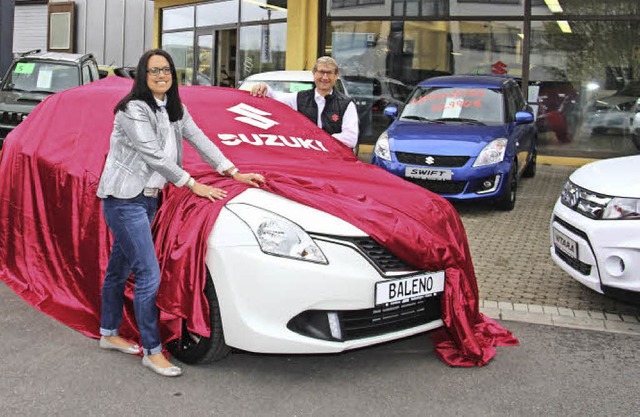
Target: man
[(328, 108)]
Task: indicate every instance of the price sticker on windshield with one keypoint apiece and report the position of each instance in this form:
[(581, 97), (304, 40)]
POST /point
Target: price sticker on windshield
[(24, 68)]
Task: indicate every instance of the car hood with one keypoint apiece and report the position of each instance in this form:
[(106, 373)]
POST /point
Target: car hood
[(20, 101), (310, 219), (617, 177), (442, 139)]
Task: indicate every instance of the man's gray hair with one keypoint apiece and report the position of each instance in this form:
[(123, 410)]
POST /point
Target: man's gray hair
[(326, 60)]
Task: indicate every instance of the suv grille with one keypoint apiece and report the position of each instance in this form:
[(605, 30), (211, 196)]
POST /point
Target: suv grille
[(12, 118), (584, 269), (384, 319), (438, 160)]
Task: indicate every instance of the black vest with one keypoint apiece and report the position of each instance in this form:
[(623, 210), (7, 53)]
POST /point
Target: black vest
[(334, 108)]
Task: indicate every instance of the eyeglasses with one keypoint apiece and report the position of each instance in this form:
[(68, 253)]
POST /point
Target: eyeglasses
[(156, 71), (322, 73)]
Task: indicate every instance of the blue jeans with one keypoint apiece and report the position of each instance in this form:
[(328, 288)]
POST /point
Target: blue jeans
[(132, 251)]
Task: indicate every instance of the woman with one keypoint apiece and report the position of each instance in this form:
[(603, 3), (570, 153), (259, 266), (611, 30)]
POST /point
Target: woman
[(145, 153)]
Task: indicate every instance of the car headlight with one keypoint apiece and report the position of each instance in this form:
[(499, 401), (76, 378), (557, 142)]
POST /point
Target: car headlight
[(382, 147), (492, 153), (598, 206), (278, 235), (622, 209)]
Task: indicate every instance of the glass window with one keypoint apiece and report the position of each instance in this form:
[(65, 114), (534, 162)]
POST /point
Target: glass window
[(357, 8), (585, 81), (266, 10), (180, 46), (608, 7), (401, 54), (86, 74), (177, 18), (219, 13), (262, 48), (487, 8)]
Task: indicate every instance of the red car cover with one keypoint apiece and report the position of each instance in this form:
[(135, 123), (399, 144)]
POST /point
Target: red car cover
[(54, 243)]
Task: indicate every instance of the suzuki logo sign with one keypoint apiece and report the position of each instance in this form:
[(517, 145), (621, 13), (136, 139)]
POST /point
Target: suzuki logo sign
[(429, 160), (251, 115)]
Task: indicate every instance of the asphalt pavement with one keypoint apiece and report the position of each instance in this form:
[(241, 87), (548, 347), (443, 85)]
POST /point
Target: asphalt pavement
[(48, 369)]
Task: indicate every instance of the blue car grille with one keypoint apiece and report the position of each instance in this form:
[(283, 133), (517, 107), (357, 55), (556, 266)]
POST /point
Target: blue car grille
[(435, 160), (440, 187)]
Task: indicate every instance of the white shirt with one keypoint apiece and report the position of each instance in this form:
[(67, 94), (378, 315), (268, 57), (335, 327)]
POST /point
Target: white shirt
[(170, 148), (349, 134)]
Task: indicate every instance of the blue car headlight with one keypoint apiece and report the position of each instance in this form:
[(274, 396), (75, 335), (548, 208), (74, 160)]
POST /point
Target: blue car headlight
[(278, 235), (382, 147), (493, 153)]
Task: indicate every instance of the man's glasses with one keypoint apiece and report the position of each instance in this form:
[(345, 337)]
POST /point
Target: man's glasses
[(322, 73), (156, 71)]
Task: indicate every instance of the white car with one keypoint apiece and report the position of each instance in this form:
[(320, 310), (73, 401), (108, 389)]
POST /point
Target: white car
[(289, 81), (287, 268), (595, 227)]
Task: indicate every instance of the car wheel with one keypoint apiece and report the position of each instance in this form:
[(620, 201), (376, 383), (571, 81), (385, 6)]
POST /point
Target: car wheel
[(530, 170), (636, 140), (193, 348), (508, 199)]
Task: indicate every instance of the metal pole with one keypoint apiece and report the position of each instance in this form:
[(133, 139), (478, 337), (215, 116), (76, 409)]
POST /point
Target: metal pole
[(6, 34)]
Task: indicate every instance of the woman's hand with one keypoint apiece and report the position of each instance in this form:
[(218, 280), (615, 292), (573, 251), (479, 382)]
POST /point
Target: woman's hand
[(254, 180), (208, 191)]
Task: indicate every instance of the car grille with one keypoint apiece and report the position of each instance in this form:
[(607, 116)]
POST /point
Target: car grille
[(11, 118), (438, 160), (440, 187), (377, 254), (389, 318), (584, 269)]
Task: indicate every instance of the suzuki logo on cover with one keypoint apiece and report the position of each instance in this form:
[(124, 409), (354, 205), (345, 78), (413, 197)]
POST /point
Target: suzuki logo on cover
[(429, 160), (254, 117)]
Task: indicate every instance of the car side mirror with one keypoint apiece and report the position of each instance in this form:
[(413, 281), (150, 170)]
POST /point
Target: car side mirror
[(391, 111), (523, 117)]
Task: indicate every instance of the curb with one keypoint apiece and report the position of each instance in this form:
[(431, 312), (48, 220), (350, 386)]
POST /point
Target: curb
[(561, 317)]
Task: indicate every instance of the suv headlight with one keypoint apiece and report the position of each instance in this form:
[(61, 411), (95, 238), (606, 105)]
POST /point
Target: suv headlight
[(382, 147), (622, 209), (492, 153), (598, 206), (278, 235)]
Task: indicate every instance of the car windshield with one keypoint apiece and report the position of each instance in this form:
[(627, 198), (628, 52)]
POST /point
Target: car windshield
[(40, 76), (281, 86), (442, 104)]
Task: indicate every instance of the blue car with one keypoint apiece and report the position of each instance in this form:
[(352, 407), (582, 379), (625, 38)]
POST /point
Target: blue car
[(465, 137)]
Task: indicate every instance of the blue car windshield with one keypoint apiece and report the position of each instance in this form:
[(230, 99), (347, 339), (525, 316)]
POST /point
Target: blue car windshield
[(443, 104)]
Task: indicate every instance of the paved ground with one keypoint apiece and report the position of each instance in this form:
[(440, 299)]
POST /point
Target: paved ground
[(517, 278)]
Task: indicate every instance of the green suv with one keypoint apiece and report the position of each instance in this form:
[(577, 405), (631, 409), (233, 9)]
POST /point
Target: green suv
[(33, 76)]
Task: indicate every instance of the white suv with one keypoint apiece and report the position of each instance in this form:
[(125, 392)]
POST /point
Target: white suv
[(595, 227), (33, 76)]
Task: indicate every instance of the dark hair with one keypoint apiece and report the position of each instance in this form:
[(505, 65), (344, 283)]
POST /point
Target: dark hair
[(141, 91)]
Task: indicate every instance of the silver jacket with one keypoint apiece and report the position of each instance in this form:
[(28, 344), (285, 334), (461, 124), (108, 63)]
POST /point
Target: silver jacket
[(137, 150)]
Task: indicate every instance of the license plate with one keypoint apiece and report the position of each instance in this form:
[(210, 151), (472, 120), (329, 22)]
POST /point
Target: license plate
[(422, 285), (565, 243), (428, 173)]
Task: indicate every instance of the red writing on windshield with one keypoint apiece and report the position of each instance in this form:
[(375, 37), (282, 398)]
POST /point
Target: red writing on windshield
[(454, 104), (440, 96)]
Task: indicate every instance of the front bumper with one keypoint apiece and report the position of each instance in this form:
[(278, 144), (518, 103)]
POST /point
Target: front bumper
[(269, 303), (608, 252), (467, 182)]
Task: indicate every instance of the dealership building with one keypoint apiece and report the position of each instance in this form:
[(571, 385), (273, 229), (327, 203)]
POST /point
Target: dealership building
[(577, 60)]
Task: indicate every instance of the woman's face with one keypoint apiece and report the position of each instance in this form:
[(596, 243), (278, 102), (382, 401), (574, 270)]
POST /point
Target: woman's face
[(158, 76)]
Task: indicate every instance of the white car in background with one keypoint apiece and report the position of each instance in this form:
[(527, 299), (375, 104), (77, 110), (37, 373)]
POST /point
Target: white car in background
[(595, 227), (286, 81)]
